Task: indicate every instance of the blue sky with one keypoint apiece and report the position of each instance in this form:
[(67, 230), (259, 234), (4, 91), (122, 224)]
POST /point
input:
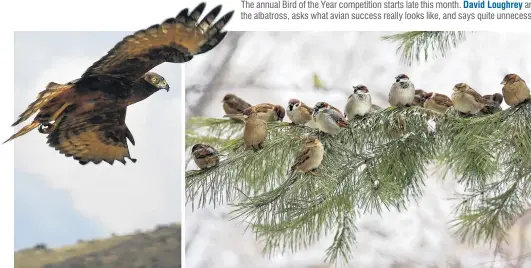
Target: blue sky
[(58, 201)]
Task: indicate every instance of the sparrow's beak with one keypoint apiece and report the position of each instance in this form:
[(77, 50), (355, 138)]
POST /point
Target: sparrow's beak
[(290, 106), (502, 83), (315, 110)]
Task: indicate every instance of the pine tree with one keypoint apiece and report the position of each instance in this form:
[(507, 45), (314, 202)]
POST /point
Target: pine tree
[(378, 163)]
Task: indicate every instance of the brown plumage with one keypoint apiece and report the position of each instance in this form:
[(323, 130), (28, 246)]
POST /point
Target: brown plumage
[(255, 129), (493, 103), (310, 156), (265, 111), (515, 90), (233, 104), (298, 112), (85, 118), (466, 100), (420, 97), (205, 156), (270, 112), (437, 102)]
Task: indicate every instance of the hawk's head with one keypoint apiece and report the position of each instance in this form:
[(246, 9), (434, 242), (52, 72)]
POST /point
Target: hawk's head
[(157, 81)]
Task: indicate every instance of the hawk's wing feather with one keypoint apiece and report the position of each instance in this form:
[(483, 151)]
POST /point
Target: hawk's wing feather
[(93, 137), (176, 40)]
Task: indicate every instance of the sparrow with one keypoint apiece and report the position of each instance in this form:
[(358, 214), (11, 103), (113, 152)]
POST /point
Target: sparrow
[(359, 102), (255, 129), (309, 157), (205, 156), (265, 111), (233, 104), (515, 90), (466, 100), (328, 119), (402, 92), (420, 97), (298, 112), (493, 103), (437, 102)]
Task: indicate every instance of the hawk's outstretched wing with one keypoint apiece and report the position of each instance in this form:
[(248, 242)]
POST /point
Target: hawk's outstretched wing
[(176, 40), (93, 137)]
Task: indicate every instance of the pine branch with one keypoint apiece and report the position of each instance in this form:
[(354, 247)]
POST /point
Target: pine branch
[(378, 163), (415, 44)]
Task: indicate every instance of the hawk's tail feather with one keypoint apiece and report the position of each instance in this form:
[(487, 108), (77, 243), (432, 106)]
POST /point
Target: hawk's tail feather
[(23, 131), (52, 90)]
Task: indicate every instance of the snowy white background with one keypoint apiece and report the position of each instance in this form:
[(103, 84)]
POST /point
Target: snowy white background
[(276, 66)]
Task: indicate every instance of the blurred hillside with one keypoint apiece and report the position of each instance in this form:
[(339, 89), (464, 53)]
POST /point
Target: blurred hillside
[(158, 248), (277, 66)]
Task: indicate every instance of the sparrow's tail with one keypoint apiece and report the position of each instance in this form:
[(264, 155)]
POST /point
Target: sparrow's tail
[(24, 130), (52, 90)]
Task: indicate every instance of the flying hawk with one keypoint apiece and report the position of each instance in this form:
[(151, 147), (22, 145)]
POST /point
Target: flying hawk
[(85, 118)]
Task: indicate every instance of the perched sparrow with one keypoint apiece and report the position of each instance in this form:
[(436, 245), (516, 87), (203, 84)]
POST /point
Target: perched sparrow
[(310, 156), (255, 130), (359, 103), (328, 119), (205, 156), (298, 112), (402, 92), (420, 97), (515, 90), (265, 111), (233, 104), (270, 112), (466, 100), (437, 102), (493, 103)]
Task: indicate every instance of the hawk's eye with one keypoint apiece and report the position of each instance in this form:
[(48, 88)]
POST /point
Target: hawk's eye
[(154, 80)]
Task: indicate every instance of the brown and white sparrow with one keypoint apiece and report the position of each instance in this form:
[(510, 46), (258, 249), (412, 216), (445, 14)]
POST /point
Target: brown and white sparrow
[(310, 156), (466, 100), (233, 104), (515, 90), (420, 97), (255, 129), (359, 103), (402, 91), (205, 156), (437, 102), (298, 112), (493, 103), (265, 111), (328, 119)]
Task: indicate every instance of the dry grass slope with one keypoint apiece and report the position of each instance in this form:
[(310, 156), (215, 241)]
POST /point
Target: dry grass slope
[(159, 248)]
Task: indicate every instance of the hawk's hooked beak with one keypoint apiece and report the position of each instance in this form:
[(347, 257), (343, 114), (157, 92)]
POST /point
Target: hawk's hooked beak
[(164, 85)]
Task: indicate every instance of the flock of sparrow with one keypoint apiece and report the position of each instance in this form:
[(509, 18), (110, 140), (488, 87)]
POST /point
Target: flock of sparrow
[(329, 119)]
